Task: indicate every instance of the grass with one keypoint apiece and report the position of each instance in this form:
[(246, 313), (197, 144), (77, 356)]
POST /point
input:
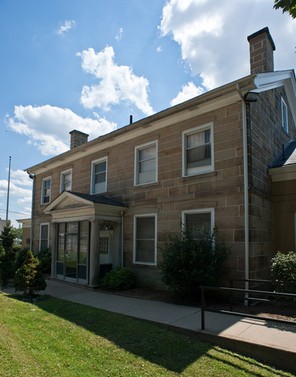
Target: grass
[(52, 337)]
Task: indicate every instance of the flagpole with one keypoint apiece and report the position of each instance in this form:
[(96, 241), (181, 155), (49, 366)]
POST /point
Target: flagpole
[(8, 189)]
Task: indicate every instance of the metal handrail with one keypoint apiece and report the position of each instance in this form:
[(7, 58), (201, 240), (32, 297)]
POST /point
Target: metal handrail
[(246, 291)]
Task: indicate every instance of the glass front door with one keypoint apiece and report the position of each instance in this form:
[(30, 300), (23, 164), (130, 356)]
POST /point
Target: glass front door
[(105, 247), (72, 251)]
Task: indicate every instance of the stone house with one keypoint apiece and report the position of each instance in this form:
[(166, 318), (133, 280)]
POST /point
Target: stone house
[(215, 160)]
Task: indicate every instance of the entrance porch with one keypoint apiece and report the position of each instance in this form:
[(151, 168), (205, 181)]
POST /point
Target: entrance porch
[(87, 234)]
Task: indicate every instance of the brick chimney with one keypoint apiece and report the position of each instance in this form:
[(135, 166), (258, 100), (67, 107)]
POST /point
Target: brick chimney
[(77, 138), (261, 51)]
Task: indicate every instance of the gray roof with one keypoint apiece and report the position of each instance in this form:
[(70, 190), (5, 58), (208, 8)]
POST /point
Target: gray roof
[(100, 199), (286, 157)]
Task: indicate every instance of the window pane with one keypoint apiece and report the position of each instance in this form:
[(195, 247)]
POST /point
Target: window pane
[(284, 115), (199, 156), (196, 221), (72, 228), (145, 240), (99, 177), (83, 244), (198, 151), (44, 232), (100, 167), (104, 245), (145, 251), (145, 227), (43, 244), (146, 165), (66, 181), (46, 190), (43, 237), (147, 153)]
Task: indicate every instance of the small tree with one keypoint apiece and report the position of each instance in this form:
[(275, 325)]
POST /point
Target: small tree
[(7, 257), (7, 237), (28, 277), (189, 262), (2, 253), (7, 268), (283, 272)]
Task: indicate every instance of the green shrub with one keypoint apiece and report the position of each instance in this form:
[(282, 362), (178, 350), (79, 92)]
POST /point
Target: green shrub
[(20, 257), (7, 269), (44, 257), (7, 237), (189, 262), (283, 272), (28, 278), (120, 279)]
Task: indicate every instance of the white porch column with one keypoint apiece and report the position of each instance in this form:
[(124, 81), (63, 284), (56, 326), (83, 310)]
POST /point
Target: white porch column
[(53, 247), (94, 257)]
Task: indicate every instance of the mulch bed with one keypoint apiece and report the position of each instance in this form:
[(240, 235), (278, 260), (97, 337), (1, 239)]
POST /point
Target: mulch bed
[(275, 310)]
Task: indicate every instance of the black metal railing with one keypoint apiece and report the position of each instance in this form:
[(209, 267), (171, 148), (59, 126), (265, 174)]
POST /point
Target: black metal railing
[(246, 292)]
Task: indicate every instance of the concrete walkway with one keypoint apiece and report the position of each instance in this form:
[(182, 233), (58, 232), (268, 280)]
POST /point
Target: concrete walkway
[(271, 342)]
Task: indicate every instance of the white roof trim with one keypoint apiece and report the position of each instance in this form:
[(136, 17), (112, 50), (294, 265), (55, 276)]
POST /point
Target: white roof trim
[(283, 173), (272, 80)]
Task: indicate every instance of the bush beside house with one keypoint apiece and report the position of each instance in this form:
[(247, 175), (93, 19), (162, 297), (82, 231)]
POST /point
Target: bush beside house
[(190, 261), (283, 272), (120, 279)]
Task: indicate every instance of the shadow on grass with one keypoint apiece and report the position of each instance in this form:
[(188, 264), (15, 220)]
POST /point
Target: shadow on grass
[(168, 349), (158, 345)]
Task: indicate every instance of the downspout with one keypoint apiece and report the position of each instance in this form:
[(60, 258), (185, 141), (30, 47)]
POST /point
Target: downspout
[(246, 197), (246, 194), (121, 261), (32, 176)]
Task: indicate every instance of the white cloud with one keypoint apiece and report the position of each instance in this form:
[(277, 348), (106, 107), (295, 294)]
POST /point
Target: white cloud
[(47, 127), (118, 36), (20, 178), (213, 35), (66, 26), (116, 83), (189, 90), (20, 194)]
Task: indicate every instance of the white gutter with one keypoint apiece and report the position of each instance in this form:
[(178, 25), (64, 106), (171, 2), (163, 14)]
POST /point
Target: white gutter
[(246, 193), (122, 239)]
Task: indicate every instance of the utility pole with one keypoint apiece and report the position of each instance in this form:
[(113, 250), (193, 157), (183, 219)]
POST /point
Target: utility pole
[(8, 189)]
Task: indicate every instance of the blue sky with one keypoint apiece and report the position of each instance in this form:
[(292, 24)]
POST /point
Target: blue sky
[(90, 64)]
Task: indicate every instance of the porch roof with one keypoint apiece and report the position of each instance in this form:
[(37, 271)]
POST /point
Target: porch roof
[(286, 157), (100, 199), (283, 167), (76, 206)]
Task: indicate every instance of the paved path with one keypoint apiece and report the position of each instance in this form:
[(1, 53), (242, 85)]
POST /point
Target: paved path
[(268, 341)]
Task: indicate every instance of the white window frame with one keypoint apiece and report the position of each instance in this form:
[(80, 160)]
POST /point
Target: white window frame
[(136, 217), (196, 212), (40, 232), (62, 175), (92, 183), (202, 169), (42, 190), (284, 115), (136, 163)]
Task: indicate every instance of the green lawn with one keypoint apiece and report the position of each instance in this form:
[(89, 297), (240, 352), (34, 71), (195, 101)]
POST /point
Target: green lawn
[(58, 338)]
